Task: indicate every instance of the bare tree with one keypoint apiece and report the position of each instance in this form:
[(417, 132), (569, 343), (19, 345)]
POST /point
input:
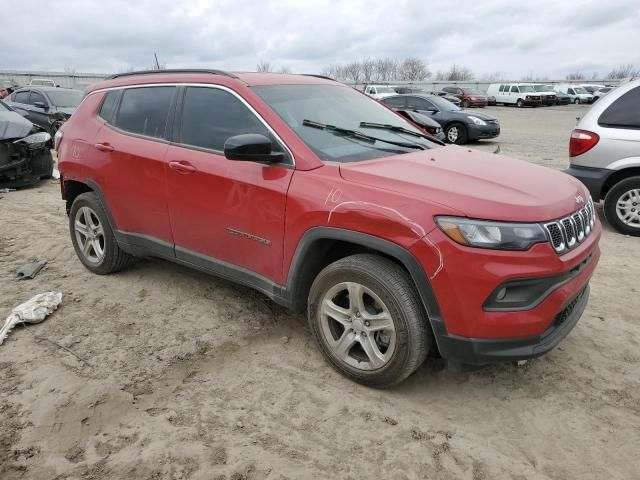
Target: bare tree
[(456, 73), (264, 67), (368, 66), (413, 69), (284, 70), (627, 70), (575, 76), (492, 77)]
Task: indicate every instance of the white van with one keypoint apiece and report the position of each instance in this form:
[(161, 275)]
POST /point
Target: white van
[(42, 82), (576, 93), (520, 94)]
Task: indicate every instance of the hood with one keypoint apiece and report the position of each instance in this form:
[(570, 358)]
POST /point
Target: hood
[(478, 184), (475, 113), (13, 125)]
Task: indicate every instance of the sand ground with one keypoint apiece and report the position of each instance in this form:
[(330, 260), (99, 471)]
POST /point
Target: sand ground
[(164, 373)]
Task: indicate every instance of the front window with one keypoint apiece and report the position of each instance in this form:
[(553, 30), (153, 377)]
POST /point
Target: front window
[(581, 91), (526, 89), (342, 107), (65, 98), (540, 88)]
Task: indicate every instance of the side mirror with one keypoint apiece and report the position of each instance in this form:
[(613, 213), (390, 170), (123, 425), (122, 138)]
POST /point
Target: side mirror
[(41, 105), (251, 147)]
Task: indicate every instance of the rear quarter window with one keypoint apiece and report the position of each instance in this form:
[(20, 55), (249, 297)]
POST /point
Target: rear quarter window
[(145, 110), (624, 112), (109, 105)]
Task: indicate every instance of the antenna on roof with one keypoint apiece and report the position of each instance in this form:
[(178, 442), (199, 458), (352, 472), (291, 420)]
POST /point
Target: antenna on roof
[(157, 63)]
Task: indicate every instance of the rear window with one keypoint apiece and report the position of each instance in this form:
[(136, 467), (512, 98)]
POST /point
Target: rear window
[(145, 110), (21, 97), (624, 112)]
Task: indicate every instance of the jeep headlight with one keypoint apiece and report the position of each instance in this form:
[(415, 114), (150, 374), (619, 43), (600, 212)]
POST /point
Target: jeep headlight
[(489, 234), (476, 120)]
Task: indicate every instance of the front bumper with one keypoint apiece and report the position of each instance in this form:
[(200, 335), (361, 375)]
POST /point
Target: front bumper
[(477, 132), (482, 351), (593, 178), (463, 278)]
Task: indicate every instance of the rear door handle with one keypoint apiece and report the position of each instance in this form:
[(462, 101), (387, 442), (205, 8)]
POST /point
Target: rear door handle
[(182, 167), (104, 147)]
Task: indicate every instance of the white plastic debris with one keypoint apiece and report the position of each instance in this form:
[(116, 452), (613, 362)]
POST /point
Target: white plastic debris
[(33, 311)]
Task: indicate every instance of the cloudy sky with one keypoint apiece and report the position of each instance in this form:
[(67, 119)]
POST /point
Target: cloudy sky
[(514, 38)]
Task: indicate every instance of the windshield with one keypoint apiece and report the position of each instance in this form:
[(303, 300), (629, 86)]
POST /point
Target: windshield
[(526, 88), (472, 92), (443, 104), (580, 90), (541, 88), (385, 90), (65, 98), (342, 107)]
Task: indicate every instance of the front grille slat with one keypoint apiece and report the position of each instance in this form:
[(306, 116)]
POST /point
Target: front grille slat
[(567, 232)]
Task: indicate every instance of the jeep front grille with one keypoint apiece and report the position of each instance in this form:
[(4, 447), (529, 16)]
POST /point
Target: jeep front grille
[(568, 232)]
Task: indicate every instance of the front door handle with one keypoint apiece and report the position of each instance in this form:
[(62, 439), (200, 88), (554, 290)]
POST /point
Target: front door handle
[(104, 147), (182, 167)]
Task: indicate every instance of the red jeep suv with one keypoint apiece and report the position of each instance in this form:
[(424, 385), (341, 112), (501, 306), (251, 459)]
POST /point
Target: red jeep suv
[(323, 199)]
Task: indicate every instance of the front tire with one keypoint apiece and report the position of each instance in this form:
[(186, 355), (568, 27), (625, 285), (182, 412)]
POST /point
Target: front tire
[(456, 133), (92, 237), (520, 103), (368, 320), (622, 206), (466, 104), (576, 101)]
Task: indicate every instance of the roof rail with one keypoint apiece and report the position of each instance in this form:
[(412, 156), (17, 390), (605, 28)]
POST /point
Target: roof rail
[(172, 70), (324, 77)]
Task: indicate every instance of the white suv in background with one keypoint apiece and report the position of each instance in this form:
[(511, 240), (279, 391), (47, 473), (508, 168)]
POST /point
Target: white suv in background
[(605, 155), (379, 91)]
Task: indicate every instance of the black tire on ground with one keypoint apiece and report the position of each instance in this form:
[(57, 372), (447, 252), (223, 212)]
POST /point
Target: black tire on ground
[(456, 133), (115, 259), (576, 101), (392, 284), (617, 192), (520, 103)]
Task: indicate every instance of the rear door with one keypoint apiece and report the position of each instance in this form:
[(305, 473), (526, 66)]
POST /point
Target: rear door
[(225, 212), (20, 103), (131, 148)]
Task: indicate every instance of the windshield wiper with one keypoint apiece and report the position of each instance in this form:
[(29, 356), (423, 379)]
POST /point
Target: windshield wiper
[(358, 135), (394, 128)]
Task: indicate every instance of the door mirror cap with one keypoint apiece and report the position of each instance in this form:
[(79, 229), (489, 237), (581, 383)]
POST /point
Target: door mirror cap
[(251, 147), (41, 105)]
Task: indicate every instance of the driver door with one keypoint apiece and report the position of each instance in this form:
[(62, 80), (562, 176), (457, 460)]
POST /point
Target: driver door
[(224, 212)]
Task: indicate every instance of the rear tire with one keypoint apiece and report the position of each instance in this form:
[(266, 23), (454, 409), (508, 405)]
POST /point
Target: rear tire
[(368, 320), (456, 133), (92, 237), (622, 206)]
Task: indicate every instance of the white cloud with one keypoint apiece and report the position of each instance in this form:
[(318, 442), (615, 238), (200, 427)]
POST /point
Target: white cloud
[(544, 37)]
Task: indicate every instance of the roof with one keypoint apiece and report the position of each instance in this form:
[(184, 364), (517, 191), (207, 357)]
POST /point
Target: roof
[(209, 76), (44, 88)]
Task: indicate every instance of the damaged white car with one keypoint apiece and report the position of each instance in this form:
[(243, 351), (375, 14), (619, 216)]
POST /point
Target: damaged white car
[(25, 150)]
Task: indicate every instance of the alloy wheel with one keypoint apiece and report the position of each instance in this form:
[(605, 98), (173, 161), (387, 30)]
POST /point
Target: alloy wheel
[(357, 326), (452, 134), (89, 235), (628, 208)]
